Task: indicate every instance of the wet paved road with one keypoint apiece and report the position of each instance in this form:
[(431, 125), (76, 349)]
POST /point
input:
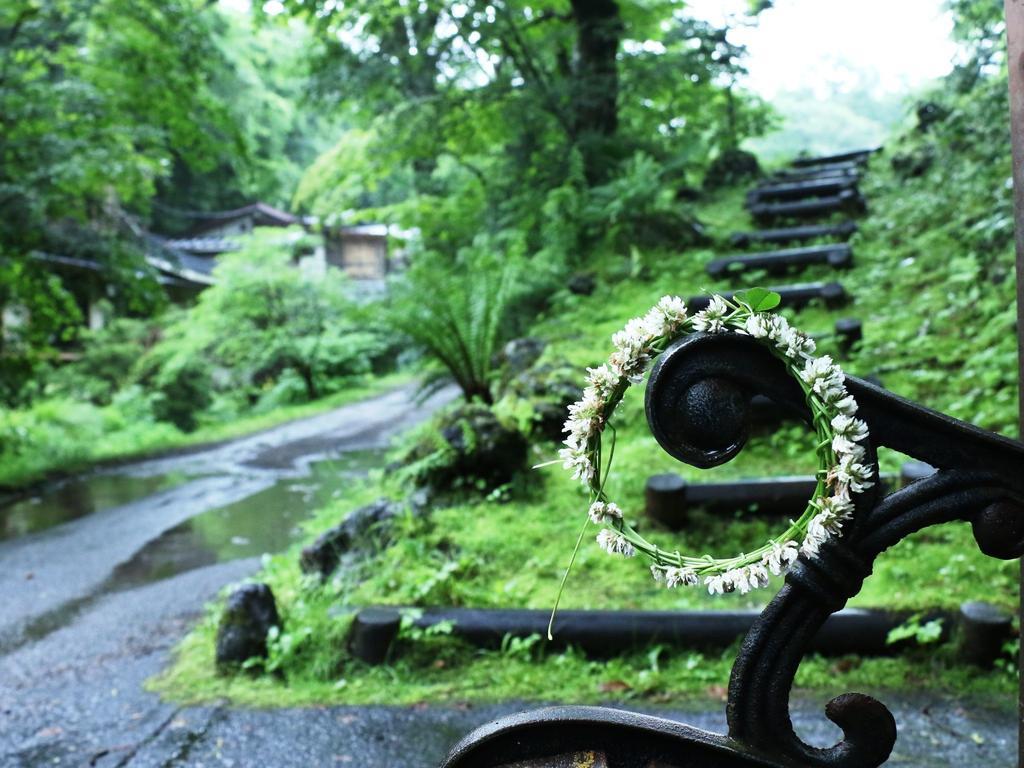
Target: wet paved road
[(78, 638)]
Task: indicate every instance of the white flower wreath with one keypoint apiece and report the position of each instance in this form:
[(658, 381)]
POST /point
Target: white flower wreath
[(842, 470)]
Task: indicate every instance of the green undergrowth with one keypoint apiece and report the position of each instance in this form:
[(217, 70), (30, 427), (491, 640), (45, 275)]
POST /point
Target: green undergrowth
[(76, 436), (441, 670), (930, 284)]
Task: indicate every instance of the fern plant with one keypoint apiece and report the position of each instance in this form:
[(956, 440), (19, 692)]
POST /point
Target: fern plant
[(457, 314)]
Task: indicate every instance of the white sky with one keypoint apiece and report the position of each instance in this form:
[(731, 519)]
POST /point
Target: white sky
[(827, 45)]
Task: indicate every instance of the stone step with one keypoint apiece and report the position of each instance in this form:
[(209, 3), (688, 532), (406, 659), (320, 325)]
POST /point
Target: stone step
[(800, 190), (836, 255), (854, 156), (794, 234), (833, 294), (846, 201)]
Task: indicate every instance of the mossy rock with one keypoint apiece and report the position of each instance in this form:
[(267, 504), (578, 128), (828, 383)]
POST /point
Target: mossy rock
[(731, 167), (469, 447)]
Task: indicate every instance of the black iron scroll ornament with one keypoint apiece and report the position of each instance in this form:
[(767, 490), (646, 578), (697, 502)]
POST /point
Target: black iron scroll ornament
[(697, 407)]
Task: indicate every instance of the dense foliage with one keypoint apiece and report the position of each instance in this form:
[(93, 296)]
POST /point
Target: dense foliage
[(531, 125), (265, 337), (116, 112)]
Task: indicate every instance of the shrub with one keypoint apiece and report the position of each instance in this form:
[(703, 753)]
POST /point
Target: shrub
[(639, 208), (99, 371), (181, 392)]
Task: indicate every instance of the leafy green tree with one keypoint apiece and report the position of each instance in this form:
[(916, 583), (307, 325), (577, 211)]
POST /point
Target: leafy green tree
[(479, 110), (105, 104), (93, 93)]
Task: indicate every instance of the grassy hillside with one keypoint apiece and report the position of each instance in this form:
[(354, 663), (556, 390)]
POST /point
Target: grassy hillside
[(932, 283)]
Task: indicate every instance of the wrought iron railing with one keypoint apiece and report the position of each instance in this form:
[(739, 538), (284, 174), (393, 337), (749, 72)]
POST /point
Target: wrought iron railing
[(697, 407)]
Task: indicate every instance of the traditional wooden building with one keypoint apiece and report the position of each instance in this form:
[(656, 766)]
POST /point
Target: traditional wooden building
[(360, 251)]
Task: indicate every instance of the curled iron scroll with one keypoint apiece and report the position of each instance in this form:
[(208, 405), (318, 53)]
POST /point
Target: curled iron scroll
[(697, 408)]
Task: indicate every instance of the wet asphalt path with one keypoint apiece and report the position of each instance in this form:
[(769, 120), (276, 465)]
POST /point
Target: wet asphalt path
[(74, 656), (76, 645)]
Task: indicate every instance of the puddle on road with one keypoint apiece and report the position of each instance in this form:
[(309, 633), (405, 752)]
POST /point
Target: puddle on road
[(79, 497), (266, 522)]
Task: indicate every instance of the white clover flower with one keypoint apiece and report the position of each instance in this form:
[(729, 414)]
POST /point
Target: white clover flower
[(585, 414), (680, 577), (817, 534), (740, 580), (758, 326), (673, 308), (718, 585), (630, 362), (824, 377), (603, 381), (757, 575), (780, 558), (602, 512), (792, 343), (658, 573), (656, 323), (813, 541), (635, 336), (615, 543), (777, 327), (843, 447), (712, 319), (851, 473), (852, 429), (591, 404), (825, 525), (831, 523), (837, 507), (841, 401), (578, 461), (579, 430)]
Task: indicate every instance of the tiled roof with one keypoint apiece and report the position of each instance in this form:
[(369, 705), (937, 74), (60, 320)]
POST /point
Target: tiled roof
[(202, 245), (264, 216)]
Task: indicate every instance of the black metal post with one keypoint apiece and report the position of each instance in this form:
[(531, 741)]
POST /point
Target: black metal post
[(1015, 64)]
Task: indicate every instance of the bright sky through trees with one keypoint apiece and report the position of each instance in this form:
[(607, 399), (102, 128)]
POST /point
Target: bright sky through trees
[(829, 46)]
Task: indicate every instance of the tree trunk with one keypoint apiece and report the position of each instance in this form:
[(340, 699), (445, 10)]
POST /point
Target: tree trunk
[(595, 80), (308, 379)]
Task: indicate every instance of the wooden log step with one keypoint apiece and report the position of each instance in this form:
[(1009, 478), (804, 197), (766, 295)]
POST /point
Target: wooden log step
[(372, 632), (851, 630), (836, 255), (845, 202), (794, 234), (854, 156), (800, 190), (801, 294), (782, 496), (849, 170)]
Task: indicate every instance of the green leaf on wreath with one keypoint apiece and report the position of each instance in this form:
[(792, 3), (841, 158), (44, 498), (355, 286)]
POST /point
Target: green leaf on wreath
[(759, 299)]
